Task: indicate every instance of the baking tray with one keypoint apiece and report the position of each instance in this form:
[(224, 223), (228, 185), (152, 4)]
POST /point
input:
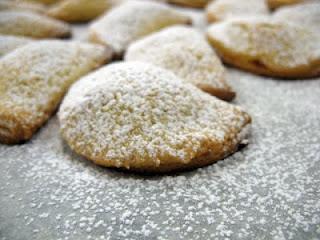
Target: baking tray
[(268, 190)]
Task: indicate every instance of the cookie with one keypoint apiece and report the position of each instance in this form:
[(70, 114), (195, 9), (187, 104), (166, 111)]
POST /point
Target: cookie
[(9, 43), (270, 48), (306, 14), (186, 52), (34, 79), (15, 5), (219, 10), (273, 4), (131, 21), (144, 118), (191, 3), (31, 24), (79, 10)]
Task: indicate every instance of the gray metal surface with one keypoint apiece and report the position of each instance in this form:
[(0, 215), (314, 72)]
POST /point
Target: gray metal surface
[(269, 190)]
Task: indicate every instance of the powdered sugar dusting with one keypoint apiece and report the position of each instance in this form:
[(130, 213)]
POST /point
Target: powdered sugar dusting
[(223, 9), (135, 112), (32, 24), (274, 42), (184, 51), (269, 190), (132, 20), (9, 43), (306, 14), (22, 5), (29, 82)]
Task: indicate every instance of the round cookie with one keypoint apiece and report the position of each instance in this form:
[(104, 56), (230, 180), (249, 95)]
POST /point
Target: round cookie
[(132, 20), (184, 51), (140, 117), (79, 10), (267, 47), (305, 14), (32, 24), (219, 10), (9, 43), (191, 3)]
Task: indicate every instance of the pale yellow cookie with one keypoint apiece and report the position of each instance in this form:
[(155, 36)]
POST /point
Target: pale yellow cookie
[(34, 79), (32, 24), (186, 52), (191, 3), (144, 118), (9, 43), (79, 10), (131, 21), (273, 4), (219, 10), (15, 5), (271, 48), (306, 14)]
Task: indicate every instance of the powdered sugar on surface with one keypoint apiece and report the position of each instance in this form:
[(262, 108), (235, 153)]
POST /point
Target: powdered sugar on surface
[(269, 190)]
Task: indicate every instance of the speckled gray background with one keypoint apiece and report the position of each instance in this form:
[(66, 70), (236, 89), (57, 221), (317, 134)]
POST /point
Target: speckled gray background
[(269, 190)]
